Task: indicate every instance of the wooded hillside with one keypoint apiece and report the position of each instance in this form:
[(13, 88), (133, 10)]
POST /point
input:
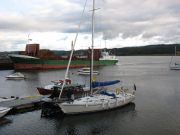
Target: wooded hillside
[(161, 50)]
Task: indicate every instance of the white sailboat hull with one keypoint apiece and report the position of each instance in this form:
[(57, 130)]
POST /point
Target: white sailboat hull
[(87, 107), (175, 68)]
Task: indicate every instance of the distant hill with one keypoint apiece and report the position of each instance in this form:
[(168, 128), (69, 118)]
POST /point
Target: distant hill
[(149, 50), (161, 50)]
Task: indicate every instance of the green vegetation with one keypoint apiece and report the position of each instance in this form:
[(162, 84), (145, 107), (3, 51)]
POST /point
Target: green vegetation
[(6, 53), (150, 50), (147, 50)]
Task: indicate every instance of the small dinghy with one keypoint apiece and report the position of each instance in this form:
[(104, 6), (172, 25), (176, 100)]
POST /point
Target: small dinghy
[(3, 99), (16, 75), (4, 111)]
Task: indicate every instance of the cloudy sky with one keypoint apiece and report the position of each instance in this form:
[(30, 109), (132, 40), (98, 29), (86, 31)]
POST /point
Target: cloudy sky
[(118, 23)]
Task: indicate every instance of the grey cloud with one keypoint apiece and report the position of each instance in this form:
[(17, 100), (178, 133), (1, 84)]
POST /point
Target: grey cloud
[(131, 18)]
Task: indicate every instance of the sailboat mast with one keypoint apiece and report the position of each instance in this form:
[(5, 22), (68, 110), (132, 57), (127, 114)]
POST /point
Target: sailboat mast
[(92, 50)]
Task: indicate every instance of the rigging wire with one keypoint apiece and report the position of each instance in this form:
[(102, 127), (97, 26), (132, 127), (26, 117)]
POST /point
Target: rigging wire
[(112, 35), (172, 58), (98, 26), (72, 51), (108, 20), (170, 61)]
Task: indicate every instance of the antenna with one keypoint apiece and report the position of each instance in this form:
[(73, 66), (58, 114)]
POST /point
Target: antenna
[(28, 43)]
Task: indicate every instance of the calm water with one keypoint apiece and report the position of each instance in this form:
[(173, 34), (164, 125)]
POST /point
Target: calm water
[(155, 110)]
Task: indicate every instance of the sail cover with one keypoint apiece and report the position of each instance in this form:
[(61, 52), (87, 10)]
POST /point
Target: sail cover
[(99, 84), (176, 64), (105, 93)]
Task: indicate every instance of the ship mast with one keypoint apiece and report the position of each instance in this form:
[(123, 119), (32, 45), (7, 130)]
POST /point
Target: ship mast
[(28, 43), (92, 53)]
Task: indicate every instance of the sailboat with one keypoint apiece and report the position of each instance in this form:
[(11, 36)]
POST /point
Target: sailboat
[(177, 66), (86, 71), (97, 102)]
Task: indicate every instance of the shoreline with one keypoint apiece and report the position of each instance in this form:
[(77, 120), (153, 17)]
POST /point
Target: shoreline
[(7, 64)]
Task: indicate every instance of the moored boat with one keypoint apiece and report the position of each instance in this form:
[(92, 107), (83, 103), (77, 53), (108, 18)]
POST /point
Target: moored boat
[(32, 59), (79, 90), (107, 56), (4, 111), (70, 92), (3, 99), (48, 89), (105, 100), (176, 66), (102, 101), (16, 75), (86, 71)]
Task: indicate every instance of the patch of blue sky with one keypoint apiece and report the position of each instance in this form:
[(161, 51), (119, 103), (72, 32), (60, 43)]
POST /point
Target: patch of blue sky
[(10, 6), (70, 31), (21, 6), (86, 37), (65, 38), (17, 43), (14, 46)]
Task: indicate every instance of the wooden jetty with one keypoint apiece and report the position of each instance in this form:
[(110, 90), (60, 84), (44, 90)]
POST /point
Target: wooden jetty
[(23, 103)]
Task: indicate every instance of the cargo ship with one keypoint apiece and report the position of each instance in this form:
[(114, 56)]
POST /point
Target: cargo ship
[(34, 58)]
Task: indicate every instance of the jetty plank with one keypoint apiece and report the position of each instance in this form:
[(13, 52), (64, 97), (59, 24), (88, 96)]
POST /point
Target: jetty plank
[(22, 103)]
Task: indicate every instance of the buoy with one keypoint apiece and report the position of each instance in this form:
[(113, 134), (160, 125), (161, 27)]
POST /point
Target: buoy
[(72, 73), (4, 76)]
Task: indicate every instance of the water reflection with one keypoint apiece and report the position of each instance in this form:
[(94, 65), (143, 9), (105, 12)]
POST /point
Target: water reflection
[(94, 123), (4, 121)]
